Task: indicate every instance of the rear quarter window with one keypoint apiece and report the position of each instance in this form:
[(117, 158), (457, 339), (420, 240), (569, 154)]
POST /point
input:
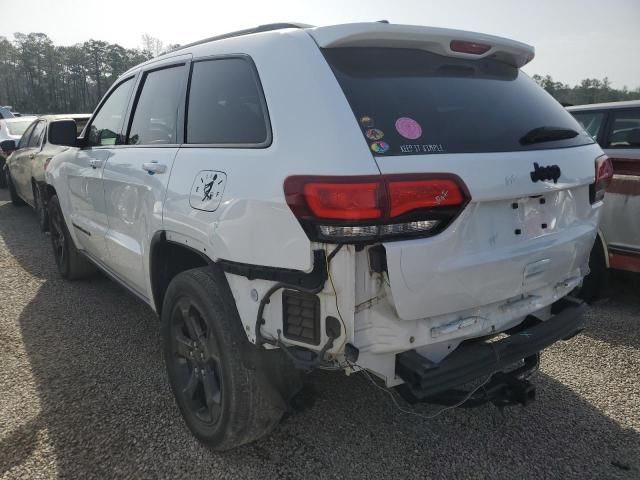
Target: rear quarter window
[(226, 105), (410, 101), (625, 129)]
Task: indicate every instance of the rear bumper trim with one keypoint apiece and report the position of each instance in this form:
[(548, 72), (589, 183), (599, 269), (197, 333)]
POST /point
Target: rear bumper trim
[(471, 361)]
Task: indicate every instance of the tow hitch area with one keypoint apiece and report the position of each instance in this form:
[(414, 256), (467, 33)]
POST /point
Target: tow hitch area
[(494, 361), (502, 389)]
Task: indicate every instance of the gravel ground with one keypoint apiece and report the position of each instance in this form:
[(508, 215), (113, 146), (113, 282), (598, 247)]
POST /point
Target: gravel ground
[(83, 394)]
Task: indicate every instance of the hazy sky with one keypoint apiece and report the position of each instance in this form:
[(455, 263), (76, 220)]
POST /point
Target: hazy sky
[(574, 39)]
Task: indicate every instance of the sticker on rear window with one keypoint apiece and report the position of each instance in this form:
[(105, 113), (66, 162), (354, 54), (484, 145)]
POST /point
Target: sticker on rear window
[(366, 121), (426, 148), (408, 128), (374, 134), (379, 147)]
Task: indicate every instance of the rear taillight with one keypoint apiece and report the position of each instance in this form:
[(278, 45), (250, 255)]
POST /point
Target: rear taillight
[(344, 201), (363, 209), (473, 48), (604, 174)]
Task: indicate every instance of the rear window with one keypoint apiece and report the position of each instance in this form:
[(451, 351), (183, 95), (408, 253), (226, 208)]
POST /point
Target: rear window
[(18, 128), (415, 102)]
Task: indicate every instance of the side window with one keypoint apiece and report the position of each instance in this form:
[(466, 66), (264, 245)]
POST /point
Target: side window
[(155, 119), (225, 104), (625, 129), (590, 121), (105, 127), (24, 140), (36, 136)]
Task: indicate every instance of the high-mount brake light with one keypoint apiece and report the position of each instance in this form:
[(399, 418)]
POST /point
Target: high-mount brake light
[(604, 174), (377, 207), (473, 48)]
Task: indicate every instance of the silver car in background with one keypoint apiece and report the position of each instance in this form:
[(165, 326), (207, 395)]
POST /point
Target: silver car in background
[(11, 128)]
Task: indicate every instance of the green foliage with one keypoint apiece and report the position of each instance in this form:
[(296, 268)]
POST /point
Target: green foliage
[(590, 90), (38, 77)]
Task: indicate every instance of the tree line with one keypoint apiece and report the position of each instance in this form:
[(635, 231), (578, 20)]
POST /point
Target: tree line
[(589, 90), (37, 76)]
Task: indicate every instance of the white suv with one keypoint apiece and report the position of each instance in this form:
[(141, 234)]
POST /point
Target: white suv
[(393, 198)]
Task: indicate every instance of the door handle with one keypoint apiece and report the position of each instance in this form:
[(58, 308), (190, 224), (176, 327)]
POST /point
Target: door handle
[(32, 156), (154, 167), (95, 163)]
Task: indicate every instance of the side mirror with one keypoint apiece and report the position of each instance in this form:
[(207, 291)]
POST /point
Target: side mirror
[(63, 132), (8, 146)]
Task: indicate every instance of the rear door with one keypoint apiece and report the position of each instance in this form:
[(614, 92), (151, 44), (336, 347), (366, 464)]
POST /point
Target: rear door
[(524, 160), (619, 224), (136, 175)]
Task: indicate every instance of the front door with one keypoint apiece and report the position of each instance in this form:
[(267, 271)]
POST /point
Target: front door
[(83, 171), (136, 176)]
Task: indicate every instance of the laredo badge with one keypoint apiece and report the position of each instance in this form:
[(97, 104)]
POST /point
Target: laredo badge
[(207, 190)]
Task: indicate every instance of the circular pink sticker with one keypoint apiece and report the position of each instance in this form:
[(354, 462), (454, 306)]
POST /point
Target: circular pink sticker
[(408, 128)]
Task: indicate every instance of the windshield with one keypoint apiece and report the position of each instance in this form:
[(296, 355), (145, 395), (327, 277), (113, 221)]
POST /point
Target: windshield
[(6, 113), (412, 101), (18, 127)]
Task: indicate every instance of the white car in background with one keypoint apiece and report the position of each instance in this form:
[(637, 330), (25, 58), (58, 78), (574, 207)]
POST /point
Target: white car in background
[(11, 128), (616, 127), (381, 197)]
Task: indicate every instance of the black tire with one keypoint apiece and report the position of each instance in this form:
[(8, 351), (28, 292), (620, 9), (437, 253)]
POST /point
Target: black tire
[(3, 178), (13, 195), (594, 284), (70, 262), (41, 209), (231, 404)]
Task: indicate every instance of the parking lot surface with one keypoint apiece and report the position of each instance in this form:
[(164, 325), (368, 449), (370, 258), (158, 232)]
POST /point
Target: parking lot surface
[(83, 394)]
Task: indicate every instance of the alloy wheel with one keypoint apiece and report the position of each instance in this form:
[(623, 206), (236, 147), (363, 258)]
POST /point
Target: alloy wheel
[(196, 362), (40, 208), (57, 237)]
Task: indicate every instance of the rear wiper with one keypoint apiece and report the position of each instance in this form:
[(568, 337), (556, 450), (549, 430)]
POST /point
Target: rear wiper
[(547, 134)]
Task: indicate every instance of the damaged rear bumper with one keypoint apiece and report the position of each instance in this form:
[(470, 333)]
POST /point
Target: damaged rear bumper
[(428, 381)]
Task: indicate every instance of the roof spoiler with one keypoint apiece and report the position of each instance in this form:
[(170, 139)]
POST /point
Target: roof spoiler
[(435, 40)]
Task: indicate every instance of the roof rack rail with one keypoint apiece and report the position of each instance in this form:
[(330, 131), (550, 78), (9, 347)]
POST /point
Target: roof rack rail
[(248, 31)]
